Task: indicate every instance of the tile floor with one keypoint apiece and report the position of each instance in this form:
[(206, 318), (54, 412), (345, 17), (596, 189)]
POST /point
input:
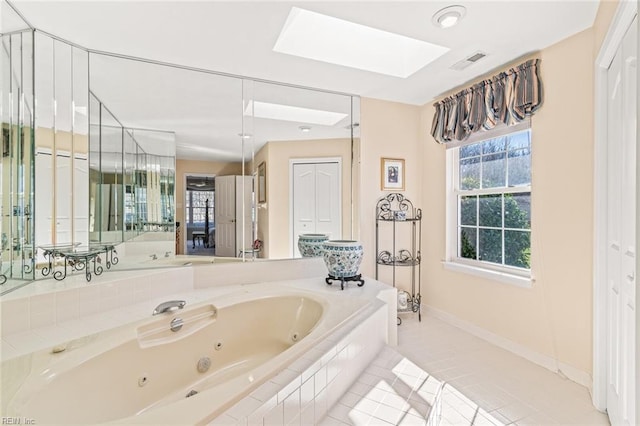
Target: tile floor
[(440, 374)]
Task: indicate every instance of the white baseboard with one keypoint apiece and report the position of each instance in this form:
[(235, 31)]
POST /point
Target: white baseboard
[(572, 373)]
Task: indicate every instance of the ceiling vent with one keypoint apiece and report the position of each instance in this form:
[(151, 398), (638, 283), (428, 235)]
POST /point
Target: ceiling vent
[(466, 62)]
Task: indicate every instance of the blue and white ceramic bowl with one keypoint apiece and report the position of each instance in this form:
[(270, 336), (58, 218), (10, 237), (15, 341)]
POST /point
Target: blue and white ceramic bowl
[(310, 245), (343, 257)]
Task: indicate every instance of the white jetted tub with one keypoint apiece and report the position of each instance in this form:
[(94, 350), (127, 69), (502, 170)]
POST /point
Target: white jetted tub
[(145, 371)]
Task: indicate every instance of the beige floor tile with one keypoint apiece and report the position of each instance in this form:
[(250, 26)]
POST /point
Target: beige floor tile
[(481, 384)]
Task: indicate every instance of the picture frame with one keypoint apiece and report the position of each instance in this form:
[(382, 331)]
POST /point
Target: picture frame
[(262, 182), (392, 174)]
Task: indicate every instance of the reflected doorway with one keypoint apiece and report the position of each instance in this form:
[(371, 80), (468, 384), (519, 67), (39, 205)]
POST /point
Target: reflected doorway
[(199, 215), (316, 198)]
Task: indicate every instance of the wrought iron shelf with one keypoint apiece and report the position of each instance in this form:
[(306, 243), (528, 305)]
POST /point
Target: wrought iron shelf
[(413, 305), (396, 210), (411, 262), (403, 258)]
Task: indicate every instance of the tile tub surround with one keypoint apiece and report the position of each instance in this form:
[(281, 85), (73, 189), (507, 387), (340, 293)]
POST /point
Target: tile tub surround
[(207, 286), (48, 303), (304, 392)]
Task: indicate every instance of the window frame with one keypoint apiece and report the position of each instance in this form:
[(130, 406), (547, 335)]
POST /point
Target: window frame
[(508, 274), (190, 207)]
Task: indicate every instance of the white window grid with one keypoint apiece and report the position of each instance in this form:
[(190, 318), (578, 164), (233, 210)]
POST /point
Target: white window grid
[(195, 210), (454, 247)]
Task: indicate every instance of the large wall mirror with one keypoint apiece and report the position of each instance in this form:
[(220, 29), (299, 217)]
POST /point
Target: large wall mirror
[(257, 163), (165, 161), (16, 152)]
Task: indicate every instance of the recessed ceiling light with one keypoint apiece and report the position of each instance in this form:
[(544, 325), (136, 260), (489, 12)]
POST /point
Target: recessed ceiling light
[(449, 16), (324, 38), (292, 113), (305, 129), (245, 135)]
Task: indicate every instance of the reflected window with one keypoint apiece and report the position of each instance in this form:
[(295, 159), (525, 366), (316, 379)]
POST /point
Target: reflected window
[(196, 202)]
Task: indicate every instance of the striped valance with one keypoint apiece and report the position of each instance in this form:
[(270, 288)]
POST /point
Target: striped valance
[(508, 98)]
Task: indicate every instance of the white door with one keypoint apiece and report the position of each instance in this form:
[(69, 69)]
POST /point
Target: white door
[(244, 217), (621, 241), (44, 200), (81, 199), (63, 198), (317, 207), (225, 215)]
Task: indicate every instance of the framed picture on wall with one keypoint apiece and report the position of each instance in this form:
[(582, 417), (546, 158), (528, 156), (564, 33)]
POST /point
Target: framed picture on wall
[(262, 183), (392, 174)]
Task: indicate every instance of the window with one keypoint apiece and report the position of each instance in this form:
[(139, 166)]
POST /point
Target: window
[(492, 196), (196, 203)]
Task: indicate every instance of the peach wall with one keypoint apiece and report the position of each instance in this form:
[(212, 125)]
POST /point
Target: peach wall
[(187, 167), (553, 317), (393, 130)]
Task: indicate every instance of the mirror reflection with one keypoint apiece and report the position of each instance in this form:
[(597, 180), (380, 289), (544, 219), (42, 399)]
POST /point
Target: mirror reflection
[(163, 163)]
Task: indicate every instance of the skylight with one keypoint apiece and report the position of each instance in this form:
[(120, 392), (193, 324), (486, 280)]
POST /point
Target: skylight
[(336, 41), (293, 113)]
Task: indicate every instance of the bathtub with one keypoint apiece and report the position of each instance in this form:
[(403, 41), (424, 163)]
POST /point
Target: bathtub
[(146, 373)]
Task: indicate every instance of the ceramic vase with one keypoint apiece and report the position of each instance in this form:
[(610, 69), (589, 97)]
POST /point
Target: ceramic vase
[(310, 245), (343, 257)]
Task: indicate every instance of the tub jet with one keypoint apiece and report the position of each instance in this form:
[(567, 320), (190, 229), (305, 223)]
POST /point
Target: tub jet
[(203, 364), (191, 393)]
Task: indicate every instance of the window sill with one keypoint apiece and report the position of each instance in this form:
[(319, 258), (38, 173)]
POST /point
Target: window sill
[(503, 277)]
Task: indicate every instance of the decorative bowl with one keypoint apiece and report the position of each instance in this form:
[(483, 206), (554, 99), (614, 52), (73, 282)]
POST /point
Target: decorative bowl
[(343, 257), (310, 245)]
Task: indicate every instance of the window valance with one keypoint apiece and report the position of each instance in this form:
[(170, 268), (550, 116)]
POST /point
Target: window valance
[(507, 98)]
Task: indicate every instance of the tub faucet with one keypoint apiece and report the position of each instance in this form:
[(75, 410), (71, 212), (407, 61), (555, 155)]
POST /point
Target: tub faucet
[(153, 256), (169, 306)]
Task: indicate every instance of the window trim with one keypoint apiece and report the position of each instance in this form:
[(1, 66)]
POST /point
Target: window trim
[(189, 207), (510, 275)]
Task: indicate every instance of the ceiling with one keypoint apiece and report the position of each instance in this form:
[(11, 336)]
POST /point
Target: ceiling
[(237, 37)]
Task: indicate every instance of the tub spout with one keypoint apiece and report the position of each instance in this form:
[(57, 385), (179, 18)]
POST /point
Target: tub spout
[(169, 306)]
